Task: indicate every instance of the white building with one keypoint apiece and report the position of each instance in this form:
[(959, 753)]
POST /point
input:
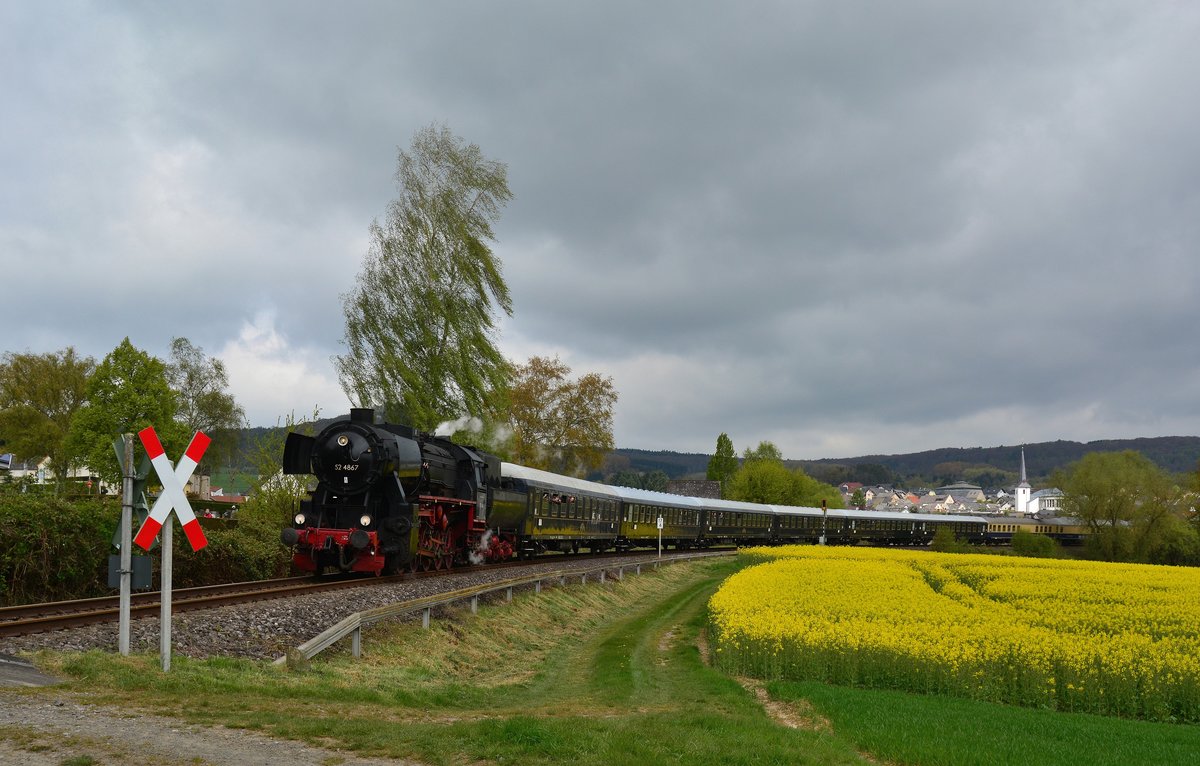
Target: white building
[(1044, 502), (1021, 501)]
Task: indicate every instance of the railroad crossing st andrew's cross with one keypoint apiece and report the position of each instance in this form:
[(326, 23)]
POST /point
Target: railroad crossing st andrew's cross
[(173, 479)]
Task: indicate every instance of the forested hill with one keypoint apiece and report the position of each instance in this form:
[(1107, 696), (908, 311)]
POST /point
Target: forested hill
[(992, 466), (1176, 454)]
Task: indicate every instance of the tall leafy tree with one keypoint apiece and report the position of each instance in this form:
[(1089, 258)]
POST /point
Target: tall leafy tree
[(763, 478), (1126, 501), (39, 394), (560, 424), (203, 402), (858, 499), (765, 452), (421, 320), (127, 392), (724, 463)]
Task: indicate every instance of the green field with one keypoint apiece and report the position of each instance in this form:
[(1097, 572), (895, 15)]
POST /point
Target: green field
[(599, 674)]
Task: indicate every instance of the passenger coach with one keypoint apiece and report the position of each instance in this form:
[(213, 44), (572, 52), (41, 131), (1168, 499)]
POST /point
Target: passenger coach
[(643, 508), (549, 512)]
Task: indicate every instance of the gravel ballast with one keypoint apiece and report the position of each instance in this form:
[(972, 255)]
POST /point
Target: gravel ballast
[(268, 629)]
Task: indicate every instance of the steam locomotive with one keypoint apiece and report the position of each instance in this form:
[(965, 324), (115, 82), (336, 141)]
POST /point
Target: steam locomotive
[(389, 498)]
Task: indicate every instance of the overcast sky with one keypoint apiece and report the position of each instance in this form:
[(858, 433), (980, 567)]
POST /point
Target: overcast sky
[(849, 228)]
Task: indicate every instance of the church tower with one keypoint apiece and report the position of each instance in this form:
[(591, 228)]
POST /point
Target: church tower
[(1023, 489)]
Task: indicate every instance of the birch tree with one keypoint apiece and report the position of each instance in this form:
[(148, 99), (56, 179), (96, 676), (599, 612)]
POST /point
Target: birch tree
[(421, 320)]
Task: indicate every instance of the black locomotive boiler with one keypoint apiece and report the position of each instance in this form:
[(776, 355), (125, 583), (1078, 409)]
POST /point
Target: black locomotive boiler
[(388, 498)]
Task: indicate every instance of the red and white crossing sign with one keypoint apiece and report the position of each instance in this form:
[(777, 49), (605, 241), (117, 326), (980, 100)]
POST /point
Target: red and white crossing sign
[(173, 479)]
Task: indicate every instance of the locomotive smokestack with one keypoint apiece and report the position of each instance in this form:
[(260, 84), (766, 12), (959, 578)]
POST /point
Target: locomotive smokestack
[(362, 415)]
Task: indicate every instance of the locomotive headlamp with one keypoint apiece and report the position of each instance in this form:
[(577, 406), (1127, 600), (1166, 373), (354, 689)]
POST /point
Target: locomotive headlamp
[(364, 521), (299, 519), (343, 440)]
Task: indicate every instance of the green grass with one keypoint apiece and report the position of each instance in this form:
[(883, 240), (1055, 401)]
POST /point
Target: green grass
[(921, 729), (594, 674)]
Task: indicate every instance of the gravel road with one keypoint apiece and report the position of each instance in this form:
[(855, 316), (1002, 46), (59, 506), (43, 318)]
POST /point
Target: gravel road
[(48, 731)]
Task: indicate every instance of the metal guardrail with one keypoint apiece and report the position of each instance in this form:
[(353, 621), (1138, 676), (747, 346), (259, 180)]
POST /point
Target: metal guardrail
[(352, 625)]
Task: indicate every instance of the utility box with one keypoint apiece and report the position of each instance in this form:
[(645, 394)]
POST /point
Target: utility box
[(141, 572)]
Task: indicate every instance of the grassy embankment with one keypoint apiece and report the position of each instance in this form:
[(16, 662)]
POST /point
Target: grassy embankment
[(599, 675)]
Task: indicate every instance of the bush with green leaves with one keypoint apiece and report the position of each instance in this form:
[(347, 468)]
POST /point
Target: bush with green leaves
[(945, 541), (1034, 545), (52, 548)]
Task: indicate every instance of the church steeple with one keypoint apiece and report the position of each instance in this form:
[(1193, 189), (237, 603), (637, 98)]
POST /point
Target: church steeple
[(1023, 489)]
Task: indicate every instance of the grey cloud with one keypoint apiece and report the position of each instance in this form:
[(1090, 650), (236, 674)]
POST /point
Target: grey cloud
[(813, 218)]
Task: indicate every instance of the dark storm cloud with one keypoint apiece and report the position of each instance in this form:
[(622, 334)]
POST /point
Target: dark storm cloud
[(850, 228)]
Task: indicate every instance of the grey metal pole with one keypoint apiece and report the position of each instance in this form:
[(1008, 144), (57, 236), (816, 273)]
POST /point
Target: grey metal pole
[(126, 546), (164, 614)]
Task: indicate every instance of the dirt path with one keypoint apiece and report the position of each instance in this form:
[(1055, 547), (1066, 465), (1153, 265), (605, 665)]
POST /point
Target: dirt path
[(50, 730)]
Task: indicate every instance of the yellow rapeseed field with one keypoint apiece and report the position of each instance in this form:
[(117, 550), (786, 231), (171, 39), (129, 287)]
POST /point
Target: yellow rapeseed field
[(1115, 639)]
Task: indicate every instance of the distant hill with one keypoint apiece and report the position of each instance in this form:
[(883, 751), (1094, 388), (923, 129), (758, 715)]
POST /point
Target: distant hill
[(987, 466)]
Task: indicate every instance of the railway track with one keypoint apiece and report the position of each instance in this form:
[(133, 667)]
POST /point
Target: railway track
[(60, 615)]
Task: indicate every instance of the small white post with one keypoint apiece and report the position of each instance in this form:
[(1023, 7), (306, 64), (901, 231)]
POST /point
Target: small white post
[(164, 612), (425, 618), (126, 546), (356, 642)]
